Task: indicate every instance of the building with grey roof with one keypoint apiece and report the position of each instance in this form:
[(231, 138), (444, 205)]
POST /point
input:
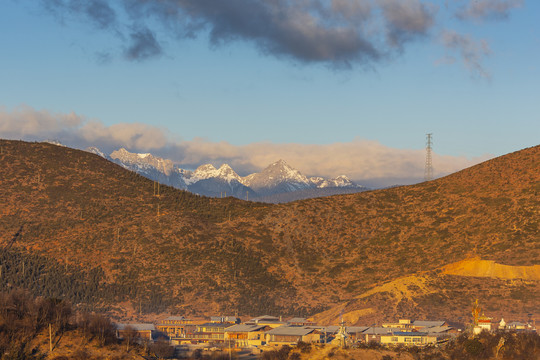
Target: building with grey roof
[(291, 335), (140, 331), (247, 335)]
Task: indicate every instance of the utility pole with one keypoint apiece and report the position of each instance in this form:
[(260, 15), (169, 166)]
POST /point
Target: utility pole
[(428, 171), (50, 338)]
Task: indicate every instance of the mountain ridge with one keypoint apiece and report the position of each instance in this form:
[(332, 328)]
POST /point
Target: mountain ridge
[(188, 254), (269, 185)]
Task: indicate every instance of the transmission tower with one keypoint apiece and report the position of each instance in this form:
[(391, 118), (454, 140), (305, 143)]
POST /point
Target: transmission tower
[(428, 172)]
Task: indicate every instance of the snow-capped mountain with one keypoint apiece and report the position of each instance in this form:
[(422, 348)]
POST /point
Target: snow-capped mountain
[(142, 161), (152, 167), (277, 178), (207, 180), (208, 171), (341, 181), (95, 150)]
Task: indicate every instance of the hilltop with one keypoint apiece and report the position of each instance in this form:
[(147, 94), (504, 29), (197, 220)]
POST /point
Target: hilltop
[(101, 236)]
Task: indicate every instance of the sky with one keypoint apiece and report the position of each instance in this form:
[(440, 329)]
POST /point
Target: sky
[(331, 86)]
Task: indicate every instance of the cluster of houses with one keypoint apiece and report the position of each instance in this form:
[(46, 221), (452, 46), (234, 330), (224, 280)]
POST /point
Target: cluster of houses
[(273, 331)]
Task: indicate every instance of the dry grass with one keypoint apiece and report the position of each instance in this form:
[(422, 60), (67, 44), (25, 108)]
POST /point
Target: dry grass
[(82, 211)]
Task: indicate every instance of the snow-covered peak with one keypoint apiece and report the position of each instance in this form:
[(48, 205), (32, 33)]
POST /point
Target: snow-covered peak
[(95, 150), (208, 171), (205, 169), (142, 161), (341, 181), (278, 174), (226, 172)]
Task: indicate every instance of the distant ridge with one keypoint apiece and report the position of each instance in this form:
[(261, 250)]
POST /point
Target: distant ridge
[(104, 238), (278, 182)]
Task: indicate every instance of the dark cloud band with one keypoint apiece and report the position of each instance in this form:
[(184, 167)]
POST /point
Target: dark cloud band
[(335, 32)]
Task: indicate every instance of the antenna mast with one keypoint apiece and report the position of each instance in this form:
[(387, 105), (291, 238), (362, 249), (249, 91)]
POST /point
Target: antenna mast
[(428, 172)]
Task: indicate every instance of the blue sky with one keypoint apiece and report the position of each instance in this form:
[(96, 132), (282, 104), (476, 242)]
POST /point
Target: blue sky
[(213, 85)]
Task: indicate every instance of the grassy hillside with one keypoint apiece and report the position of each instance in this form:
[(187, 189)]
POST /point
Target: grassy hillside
[(99, 224)]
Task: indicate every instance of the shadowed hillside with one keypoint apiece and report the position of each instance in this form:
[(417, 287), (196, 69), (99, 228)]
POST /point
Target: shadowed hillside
[(98, 223)]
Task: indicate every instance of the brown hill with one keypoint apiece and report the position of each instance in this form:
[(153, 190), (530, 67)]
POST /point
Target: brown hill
[(89, 224)]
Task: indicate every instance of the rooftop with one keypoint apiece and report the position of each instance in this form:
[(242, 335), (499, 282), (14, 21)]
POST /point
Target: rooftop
[(212, 324), (245, 328), (291, 331), (428, 323), (136, 327), (409, 333)]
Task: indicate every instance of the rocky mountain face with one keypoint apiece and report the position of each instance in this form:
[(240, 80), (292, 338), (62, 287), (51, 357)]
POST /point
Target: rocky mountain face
[(277, 178), (149, 166), (276, 183)]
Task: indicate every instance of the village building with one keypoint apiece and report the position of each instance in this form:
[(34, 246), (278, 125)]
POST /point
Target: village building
[(374, 333), (271, 321), (225, 319), (245, 335), (300, 321), (441, 331), (137, 331), (483, 323), (423, 325), (408, 338), (516, 325), (176, 326), (209, 332), (414, 325), (401, 324), (292, 335)]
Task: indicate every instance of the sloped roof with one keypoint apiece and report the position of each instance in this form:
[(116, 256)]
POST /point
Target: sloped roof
[(428, 323), (211, 324), (377, 330), (333, 329), (356, 329), (291, 331), (137, 327), (265, 318), (297, 320), (409, 333), (245, 328), (438, 329)]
